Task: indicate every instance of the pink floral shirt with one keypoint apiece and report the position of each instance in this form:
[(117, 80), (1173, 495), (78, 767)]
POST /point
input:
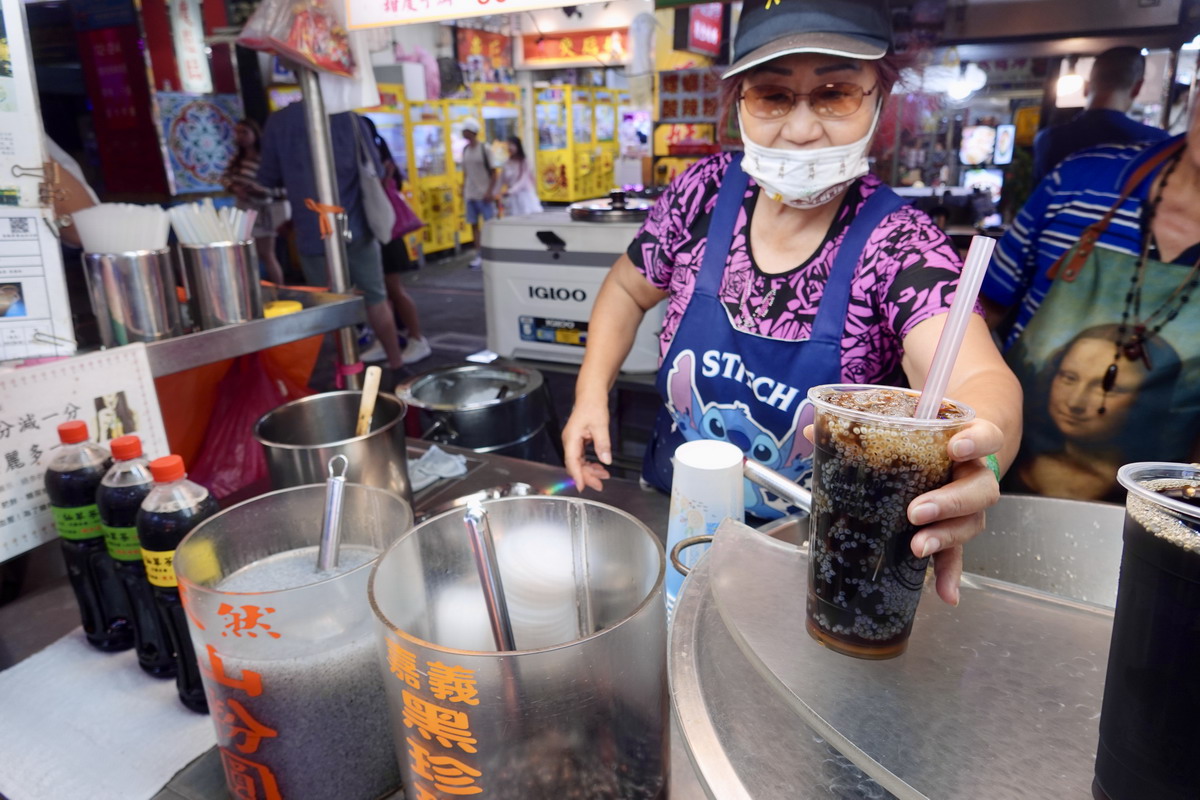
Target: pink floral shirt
[(908, 272)]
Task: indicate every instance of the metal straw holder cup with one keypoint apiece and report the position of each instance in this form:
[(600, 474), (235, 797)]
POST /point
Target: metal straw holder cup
[(223, 282), (133, 295)]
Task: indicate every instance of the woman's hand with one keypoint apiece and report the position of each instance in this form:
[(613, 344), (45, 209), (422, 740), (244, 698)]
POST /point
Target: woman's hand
[(588, 423), (954, 514)]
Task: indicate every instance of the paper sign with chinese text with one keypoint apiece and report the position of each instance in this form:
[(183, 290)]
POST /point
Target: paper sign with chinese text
[(584, 48), (385, 13), (113, 391)]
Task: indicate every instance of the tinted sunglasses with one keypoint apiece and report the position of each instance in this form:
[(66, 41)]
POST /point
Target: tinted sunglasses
[(831, 101)]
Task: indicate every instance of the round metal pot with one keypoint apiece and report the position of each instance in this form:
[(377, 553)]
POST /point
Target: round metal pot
[(300, 437), (482, 407)]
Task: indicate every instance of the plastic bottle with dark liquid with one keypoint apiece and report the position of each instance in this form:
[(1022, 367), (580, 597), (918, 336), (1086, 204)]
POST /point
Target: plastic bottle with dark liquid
[(119, 497), (71, 481), (173, 507)]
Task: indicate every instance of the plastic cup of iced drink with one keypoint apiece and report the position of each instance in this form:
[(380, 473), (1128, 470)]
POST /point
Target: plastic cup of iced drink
[(872, 459)]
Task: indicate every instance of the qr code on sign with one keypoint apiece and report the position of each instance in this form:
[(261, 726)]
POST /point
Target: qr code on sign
[(19, 225)]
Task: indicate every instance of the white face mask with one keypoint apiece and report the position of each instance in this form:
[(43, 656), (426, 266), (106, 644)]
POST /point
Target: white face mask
[(806, 178)]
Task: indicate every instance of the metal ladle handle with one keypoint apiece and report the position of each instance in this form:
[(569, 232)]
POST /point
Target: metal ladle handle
[(777, 483), (484, 549), (331, 527)]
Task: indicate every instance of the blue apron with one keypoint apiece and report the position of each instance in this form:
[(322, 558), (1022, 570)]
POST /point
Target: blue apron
[(721, 383)]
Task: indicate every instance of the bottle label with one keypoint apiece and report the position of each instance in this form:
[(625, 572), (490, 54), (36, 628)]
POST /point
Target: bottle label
[(160, 567), (81, 522), (122, 543)]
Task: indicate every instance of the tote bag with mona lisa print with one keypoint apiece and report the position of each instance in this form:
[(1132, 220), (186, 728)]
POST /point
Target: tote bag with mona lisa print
[(1079, 427)]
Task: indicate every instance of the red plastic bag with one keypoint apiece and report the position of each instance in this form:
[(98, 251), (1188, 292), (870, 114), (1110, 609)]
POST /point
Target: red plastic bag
[(230, 458), (309, 32)]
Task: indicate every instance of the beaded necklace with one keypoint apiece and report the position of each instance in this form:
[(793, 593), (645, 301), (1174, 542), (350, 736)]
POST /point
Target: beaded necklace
[(1133, 346)]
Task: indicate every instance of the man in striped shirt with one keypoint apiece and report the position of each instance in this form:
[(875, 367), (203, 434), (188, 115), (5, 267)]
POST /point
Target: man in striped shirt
[(1070, 199)]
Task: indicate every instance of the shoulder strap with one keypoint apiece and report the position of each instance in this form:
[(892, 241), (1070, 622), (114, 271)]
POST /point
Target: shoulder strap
[(1071, 262)]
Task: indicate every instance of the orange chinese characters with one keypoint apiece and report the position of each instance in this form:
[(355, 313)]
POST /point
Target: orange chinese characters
[(476, 46), (227, 714), (403, 664), (249, 779), (591, 47), (246, 621), (448, 774), (455, 684), (447, 726), (250, 682), (566, 48)]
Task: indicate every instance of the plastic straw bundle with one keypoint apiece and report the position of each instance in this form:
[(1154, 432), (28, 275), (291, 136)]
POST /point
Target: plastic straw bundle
[(201, 223), (122, 228)]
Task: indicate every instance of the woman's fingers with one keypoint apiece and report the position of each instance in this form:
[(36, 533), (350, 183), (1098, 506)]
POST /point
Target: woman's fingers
[(980, 438), (947, 571), (580, 429), (953, 514)]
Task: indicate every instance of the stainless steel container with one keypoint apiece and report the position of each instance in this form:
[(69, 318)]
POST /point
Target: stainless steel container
[(223, 282), (580, 709), (300, 437), (483, 407), (133, 295)]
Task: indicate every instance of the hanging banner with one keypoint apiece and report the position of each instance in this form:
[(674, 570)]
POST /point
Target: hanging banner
[(495, 49), (579, 48), (385, 13), (187, 33)]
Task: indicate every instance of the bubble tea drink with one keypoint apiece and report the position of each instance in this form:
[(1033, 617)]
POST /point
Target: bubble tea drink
[(1148, 745), (872, 459)]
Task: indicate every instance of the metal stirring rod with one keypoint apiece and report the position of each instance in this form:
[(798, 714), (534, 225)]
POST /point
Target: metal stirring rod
[(484, 548), (331, 528)]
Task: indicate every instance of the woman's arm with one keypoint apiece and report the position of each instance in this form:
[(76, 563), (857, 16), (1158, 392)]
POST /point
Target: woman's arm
[(955, 513), (623, 300)]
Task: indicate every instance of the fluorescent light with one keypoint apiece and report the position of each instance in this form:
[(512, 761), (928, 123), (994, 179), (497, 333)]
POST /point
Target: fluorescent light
[(1069, 84)]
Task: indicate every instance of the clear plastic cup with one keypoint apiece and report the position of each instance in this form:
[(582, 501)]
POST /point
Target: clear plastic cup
[(864, 581)]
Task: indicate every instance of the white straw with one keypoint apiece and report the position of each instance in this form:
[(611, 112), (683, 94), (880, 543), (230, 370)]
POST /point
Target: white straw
[(934, 391)]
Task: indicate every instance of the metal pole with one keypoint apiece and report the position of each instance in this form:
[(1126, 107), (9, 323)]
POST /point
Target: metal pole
[(321, 147)]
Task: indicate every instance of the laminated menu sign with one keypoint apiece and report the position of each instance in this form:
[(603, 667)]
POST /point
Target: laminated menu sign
[(35, 315), (113, 391)]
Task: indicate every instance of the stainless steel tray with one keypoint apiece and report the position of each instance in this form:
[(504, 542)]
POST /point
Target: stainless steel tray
[(997, 698)]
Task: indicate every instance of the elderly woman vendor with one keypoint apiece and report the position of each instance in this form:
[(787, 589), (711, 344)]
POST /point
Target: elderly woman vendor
[(788, 266)]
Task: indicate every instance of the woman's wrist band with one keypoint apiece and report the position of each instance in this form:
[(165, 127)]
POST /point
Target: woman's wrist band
[(994, 465)]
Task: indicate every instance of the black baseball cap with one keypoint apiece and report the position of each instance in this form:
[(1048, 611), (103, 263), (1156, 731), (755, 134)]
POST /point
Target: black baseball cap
[(772, 28)]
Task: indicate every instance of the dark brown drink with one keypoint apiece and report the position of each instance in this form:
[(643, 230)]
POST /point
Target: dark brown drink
[(872, 459), (1148, 747)]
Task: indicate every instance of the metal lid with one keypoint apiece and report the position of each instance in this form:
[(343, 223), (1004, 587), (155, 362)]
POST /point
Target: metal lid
[(469, 386), (617, 207)]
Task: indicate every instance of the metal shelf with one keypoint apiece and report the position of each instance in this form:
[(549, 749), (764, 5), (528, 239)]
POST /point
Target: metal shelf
[(323, 311)]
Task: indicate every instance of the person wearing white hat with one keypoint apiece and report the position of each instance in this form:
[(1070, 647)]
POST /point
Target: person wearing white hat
[(789, 266), (479, 184)]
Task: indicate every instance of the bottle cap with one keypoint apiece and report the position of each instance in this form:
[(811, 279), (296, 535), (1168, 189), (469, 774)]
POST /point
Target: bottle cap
[(167, 469), (73, 432), (125, 447)]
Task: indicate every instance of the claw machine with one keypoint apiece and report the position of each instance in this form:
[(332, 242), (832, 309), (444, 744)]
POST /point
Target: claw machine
[(457, 112), (435, 180), (391, 123), (583, 143), (553, 161), (500, 104), (604, 111)]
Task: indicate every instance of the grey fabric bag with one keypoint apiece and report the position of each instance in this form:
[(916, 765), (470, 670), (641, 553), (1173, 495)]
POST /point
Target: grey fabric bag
[(381, 215)]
